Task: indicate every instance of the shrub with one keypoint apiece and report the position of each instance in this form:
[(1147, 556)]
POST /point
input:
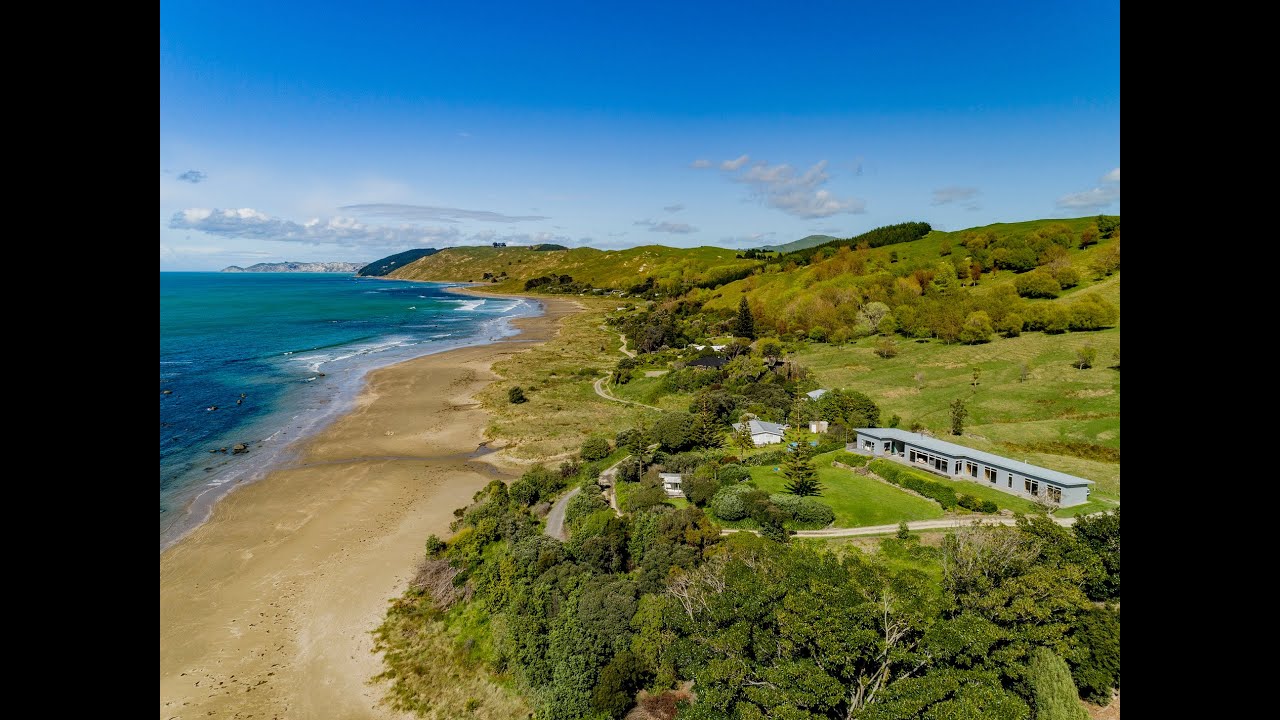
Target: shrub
[(583, 504), (1066, 276), (904, 532), (629, 470), (1051, 686), (977, 328), (595, 448), (1084, 357), (852, 459), (515, 395), (1037, 284), (902, 477), (805, 510), (886, 348), (1010, 325), (733, 474), (970, 502), (989, 506), (770, 457), (435, 546), (632, 440), (728, 504)]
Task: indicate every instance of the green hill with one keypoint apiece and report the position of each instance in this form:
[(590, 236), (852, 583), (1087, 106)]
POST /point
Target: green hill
[(378, 268), (801, 244), (670, 268)]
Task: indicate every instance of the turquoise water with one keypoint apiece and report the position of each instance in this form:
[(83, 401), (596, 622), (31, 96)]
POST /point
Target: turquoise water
[(296, 346)]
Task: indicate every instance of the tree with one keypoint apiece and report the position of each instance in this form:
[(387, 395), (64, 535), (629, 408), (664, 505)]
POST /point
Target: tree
[(975, 273), (944, 280), (888, 325), (742, 436), (886, 348), (595, 448), (977, 372), (1108, 225), (802, 477), (1089, 236), (632, 440), (1023, 373), (745, 324), (1052, 688), (515, 395), (977, 328), (1085, 355), (872, 313), (1010, 325), (958, 414), (700, 486), (944, 248), (673, 431), (1037, 284), (706, 433), (904, 532)]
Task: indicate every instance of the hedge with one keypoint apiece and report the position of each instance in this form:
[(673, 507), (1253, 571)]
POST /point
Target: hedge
[(945, 496), (851, 459), (804, 509)]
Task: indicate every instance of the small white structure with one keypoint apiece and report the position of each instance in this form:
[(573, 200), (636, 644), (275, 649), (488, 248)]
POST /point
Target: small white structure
[(718, 348), (817, 426), (815, 394), (671, 482), (696, 346), (764, 433)]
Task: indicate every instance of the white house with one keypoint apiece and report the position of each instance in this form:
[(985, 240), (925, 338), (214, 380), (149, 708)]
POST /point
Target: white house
[(815, 394), (671, 482), (817, 426), (763, 433)]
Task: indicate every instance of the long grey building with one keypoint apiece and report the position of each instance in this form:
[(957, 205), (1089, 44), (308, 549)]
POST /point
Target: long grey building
[(963, 463)]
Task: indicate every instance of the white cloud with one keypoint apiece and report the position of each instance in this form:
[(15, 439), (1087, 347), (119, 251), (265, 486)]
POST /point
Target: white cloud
[(700, 163), (735, 164), (349, 232), (416, 213), (1098, 198), (667, 227), (780, 187), (955, 193), (674, 208), (1095, 199)]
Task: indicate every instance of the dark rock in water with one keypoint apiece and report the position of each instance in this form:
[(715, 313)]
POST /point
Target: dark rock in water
[(319, 374), (239, 401), (212, 408), (166, 392), (222, 449), (214, 450), (239, 448), (243, 395)]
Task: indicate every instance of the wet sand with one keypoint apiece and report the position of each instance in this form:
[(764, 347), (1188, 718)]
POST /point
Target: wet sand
[(266, 609)]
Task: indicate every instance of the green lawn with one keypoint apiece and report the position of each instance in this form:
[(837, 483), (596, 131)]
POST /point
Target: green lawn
[(982, 491), (857, 501), (1059, 417)]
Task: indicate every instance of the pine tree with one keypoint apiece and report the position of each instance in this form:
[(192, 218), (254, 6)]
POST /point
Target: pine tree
[(742, 437), (958, 414), (745, 326), (802, 477), (705, 432)]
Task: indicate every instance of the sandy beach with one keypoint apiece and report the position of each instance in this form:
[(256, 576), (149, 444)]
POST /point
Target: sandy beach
[(266, 609)]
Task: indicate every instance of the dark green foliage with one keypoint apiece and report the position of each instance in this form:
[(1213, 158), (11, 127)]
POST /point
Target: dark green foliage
[(1108, 225), (801, 475), (850, 459), (879, 237), (1095, 664), (378, 268), (649, 494), (633, 441), (544, 247), (849, 408), (943, 495), (435, 546), (804, 510), (595, 448), (745, 325), (959, 412), (769, 457), (1052, 688), (537, 483), (731, 504), (732, 474), (706, 432), (600, 542), (515, 395), (700, 486), (583, 504), (1085, 355), (1101, 532), (894, 421), (673, 431), (1038, 284), (556, 284), (904, 532), (970, 502), (629, 470)]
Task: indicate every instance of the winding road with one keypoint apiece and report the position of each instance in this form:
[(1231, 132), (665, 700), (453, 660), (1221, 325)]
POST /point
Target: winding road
[(555, 518)]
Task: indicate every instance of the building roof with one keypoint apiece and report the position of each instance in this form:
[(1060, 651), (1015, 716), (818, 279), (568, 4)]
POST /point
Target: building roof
[(711, 362), (670, 476), (760, 426), (815, 394), (968, 453)]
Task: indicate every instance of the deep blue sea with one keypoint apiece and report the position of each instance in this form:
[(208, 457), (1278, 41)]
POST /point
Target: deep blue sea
[(293, 349)]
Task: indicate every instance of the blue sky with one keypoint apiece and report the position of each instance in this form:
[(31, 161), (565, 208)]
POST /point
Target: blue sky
[(344, 131)]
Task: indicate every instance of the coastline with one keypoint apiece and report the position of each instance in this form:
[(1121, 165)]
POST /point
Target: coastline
[(267, 607)]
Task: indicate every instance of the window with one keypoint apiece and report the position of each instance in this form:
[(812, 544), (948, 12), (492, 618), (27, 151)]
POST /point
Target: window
[(1010, 479), (887, 444), (973, 469), (1031, 486), (1055, 494), (866, 445), (991, 474)]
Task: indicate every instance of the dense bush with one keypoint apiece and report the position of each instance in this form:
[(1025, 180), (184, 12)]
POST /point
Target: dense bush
[(632, 440), (970, 502), (852, 459), (537, 483), (730, 503), (515, 395), (732, 474), (945, 496), (769, 457), (673, 431), (595, 448), (1052, 688), (583, 504), (805, 510), (629, 470), (1037, 284)]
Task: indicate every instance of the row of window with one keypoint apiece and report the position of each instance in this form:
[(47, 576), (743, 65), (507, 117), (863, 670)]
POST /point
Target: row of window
[(991, 475)]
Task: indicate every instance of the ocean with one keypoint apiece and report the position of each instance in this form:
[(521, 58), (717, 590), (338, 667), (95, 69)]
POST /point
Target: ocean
[(278, 355)]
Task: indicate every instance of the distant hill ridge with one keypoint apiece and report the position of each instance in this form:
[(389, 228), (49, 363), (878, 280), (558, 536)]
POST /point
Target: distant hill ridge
[(333, 267), (802, 244), (381, 267)]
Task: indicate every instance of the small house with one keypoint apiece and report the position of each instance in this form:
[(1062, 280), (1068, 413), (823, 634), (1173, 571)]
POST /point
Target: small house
[(817, 426), (708, 362), (763, 433), (671, 482)]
